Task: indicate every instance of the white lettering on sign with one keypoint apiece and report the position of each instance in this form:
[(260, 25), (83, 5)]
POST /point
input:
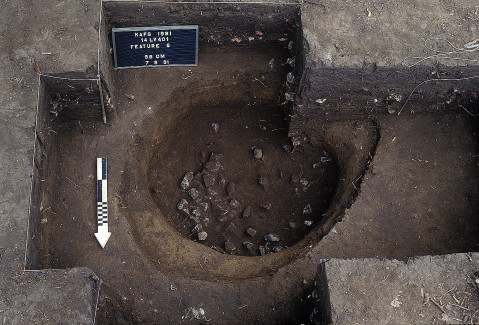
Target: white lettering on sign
[(157, 62)]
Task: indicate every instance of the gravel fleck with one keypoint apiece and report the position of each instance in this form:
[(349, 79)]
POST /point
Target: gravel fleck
[(258, 153), (230, 248), (271, 237), (185, 182), (262, 250), (307, 209), (215, 127), (221, 181), (266, 206), (247, 212), (182, 204), (251, 232), (209, 180), (234, 203), (193, 192), (292, 225), (308, 222), (277, 249), (202, 235), (249, 246), (197, 229), (231, 189), (263, 181)]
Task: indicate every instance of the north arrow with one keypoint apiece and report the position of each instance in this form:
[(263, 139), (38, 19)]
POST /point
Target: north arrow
[(101, 203)]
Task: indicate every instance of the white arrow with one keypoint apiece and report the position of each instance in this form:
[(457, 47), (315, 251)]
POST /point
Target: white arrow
[(102, 203)]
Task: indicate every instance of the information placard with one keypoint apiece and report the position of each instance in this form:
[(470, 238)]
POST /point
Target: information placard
[(158, 46)]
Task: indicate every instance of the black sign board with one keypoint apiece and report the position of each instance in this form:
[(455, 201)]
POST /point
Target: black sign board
[(139, 47)]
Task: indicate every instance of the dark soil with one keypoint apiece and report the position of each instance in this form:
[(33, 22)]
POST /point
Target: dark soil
[(231, 196)]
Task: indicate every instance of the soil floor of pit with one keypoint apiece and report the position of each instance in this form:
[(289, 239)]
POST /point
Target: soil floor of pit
[(135, 291), (208, 182)]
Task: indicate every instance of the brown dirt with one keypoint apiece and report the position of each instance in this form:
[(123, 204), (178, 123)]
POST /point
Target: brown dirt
[(275, 188)]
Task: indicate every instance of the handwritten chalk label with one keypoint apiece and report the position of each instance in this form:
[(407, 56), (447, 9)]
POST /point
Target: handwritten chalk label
[(158, 46)]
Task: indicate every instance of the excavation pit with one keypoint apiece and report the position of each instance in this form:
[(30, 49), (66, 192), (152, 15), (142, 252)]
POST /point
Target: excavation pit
[(231, 179)]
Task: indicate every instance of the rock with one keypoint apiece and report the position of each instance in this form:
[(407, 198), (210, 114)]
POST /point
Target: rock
[(290, 77), (182, 205), (195, 211), (220, 208), (294, 178), (231, 189), (221, 181), (249, 246), (185, 182), (209, 180), (211, 193), (292, 225), (266, 206), (251, 232), (195, 219), (230, 248), (277, 249), (308, 222), (197, 229), (215, 127), (231, 227), (271, 237), (202, 235), (258, 153), (262, 250), (234, 203), (246, 212), (263, 181), (193, 192), (203, 206), (213, 164), (307, 209), (288, 147)]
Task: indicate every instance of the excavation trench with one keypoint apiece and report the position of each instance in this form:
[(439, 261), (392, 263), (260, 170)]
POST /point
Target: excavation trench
[(262, 197)]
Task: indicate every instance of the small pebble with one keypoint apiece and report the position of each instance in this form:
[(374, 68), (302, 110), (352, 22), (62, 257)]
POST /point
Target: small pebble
[(292, 225), (231, 227), (193, 192), (262, 250), (221, 181), (294, 178), (251, 232), (271, 237), (231, 189), (246, 212), (182, 204), (210, 192), (230, 247), (197, 229), (287, 147), (209, 180), (307, 209), (266, 206), (202, 235), (263, 181), (195, 211), (308, 222), (258, 153), (185, 182), (277, 249), (234, 203), (215, 127), (249, 246), (204, 206)]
